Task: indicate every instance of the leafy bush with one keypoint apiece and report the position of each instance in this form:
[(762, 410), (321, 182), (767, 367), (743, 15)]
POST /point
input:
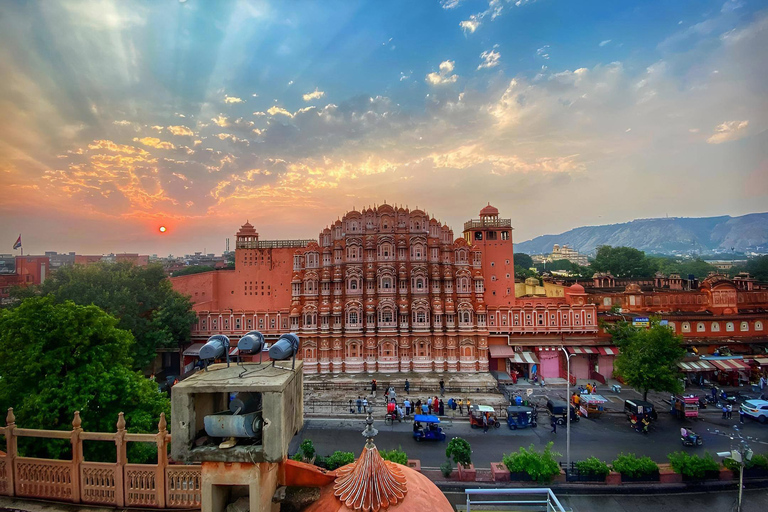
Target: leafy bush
[(757, 461), (460, 450), (593, 466), (692, 465), (397, 456), (306, 451), (633, 466), (540, 466), (338, 459), (446, 468)]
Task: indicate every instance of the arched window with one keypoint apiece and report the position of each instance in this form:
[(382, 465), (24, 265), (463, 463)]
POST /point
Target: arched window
[(353, 317), (386, 316), (700, 327), (744, 326), (758, 326), (308, 320), (729, 326), (419, 283), (386, 283), (715, 326), (686, 327)]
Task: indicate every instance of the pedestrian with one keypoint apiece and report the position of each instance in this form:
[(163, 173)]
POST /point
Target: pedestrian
[(441, 408), (359, 404), (425, 409), (392, 393), (518, 400), (553, 422), (469, 405), (646, 424), (365, 405), (741, 416), (725, 412), (714, 394), (594, 387), (453, 404), (373, 387), (730, 411), (407, 405), (351, 407), (407, 387), (589, 388), (442, 387), (485, 423), (461, 406)]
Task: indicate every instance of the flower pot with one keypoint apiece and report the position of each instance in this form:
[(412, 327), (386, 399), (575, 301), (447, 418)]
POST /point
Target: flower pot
[(499, 472), (467, 473), (414, 464)]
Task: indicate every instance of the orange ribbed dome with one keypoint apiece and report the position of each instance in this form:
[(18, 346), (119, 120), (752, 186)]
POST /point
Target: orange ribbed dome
[(489, 211)]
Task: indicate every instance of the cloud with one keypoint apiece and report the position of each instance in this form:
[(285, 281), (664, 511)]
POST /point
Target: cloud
[(444, 76), (404, 77), (275, 110), (233, 99), (158, 128), (154, 142), (490, 59), (314, 95), (603, 43), (449, 4), (728, 131), (543, 52), (470, 25), (181, 131), (122, 123), (221, 121)]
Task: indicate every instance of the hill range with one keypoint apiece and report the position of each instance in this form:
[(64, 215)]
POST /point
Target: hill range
[(725, 234)]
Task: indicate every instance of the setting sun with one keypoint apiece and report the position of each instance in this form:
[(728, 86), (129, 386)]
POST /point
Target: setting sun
[(162, 229)]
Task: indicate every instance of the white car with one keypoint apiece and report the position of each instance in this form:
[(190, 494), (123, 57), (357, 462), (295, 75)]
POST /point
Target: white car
[(758, 409)]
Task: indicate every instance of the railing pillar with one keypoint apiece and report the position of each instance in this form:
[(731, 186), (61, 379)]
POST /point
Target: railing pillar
[(162, 461), (77, 456), (11, 451), (120, 462)]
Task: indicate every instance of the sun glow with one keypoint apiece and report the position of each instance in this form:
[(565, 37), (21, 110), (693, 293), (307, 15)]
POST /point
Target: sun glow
[(162, 229)]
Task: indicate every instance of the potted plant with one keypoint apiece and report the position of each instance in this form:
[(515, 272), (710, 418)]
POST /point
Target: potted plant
[(636, 469), (589, 470), (529, 464), (306, 452), (694, 468), (461, 452), (446, 468)]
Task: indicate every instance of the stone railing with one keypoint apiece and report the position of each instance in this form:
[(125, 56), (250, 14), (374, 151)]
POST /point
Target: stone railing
[(114, 484)]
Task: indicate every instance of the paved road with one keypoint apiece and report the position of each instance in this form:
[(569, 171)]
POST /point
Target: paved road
[(603, 437)]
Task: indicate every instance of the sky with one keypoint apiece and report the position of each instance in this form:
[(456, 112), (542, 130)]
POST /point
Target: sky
[(118, 117)]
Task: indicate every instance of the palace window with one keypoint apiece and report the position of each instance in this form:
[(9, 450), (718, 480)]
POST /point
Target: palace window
[(700, 327), (686, 327), (353, 317), (715, 326), (758, 326), (744, 326), (729, 326)]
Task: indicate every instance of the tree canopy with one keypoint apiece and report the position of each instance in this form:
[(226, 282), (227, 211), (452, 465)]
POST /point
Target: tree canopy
[(758, 268), (648, 358), (141, 298), (668, 265), (523, 260), (58, 358), (622, 262), (192, 269)]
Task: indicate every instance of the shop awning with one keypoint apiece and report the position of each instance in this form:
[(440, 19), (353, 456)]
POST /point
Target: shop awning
[(501, 351), (729, 365), (695, 366), (762, 361), (524, 358), (582, 350), (193, 350), (608, 351)]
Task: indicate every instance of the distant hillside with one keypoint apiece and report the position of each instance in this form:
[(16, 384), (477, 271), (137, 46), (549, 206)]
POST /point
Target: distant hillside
[(666, 235)]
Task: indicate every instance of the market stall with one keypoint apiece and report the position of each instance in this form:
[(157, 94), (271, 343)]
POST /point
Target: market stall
[(591, 405)]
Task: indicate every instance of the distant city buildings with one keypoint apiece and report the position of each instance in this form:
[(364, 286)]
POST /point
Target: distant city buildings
[(562, 253)]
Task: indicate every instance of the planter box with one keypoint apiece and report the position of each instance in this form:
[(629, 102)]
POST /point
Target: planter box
[(583, 477), (414, 464), (708, 475), (726, 474), (651, 477), (520, 477), (667, 476), (467, 474), (499, 472), (613, 478), (754, 473)]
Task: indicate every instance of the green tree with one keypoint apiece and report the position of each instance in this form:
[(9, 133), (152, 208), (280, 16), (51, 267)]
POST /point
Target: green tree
[(758, 268), (622, 262), (56, 359), (648, 358), (523, 260), (192, 269), (141, 298), (524, 273)]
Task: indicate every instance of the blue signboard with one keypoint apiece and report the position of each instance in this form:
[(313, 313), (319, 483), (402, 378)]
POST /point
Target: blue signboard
[(641, 322)]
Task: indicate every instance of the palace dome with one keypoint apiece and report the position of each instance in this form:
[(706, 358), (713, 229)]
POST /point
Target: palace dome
[(489, 211)]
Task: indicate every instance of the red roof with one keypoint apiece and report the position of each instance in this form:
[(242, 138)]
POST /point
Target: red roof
[(489, 210)]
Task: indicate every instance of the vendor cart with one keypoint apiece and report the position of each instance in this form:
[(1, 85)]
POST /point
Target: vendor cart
[(685, 406), (591, 405)]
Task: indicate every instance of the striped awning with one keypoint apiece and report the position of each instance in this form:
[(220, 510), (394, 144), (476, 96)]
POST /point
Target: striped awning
[(729, 365), (608, 351), (501, 351), (524, 358), (695, 366), (762, 361), (583, 350)]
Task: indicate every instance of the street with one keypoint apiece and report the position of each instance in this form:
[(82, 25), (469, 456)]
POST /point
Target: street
[(604, 437)]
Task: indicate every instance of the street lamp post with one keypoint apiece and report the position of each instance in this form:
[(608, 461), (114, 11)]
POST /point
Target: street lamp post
[(744, 453), (567, 409)]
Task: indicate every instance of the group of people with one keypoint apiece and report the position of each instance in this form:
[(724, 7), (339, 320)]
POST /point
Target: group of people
[(431, 405), (640, 423)]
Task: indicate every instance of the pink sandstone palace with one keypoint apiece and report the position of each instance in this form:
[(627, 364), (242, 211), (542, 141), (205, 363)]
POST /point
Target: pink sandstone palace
[(389, 289)]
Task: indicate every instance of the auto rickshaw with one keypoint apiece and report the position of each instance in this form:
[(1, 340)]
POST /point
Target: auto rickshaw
[(520, 416), (639, 409), (476, 416), (425, 428), (558, 409)]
